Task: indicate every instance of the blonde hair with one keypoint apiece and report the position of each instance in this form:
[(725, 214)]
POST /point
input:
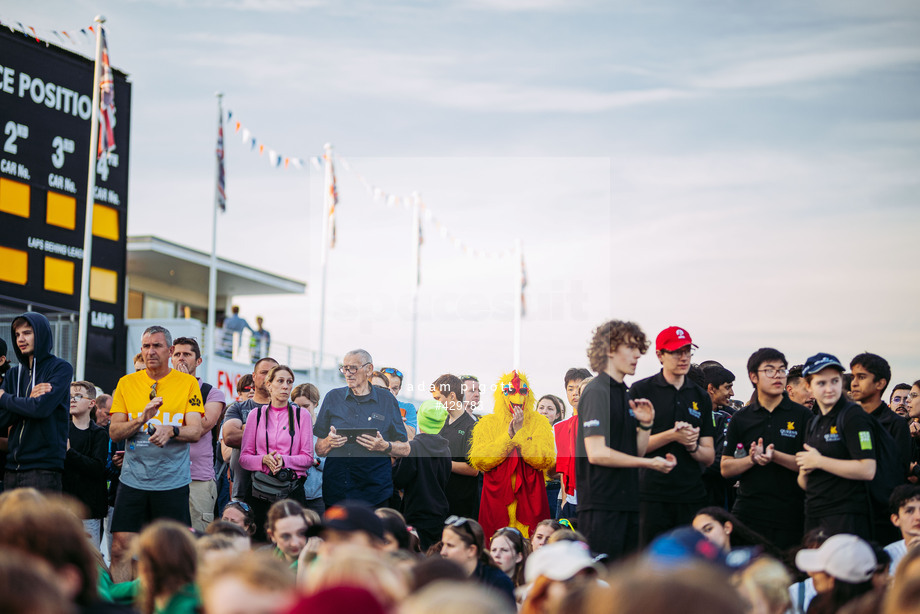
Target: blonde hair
[(767, 579), (355, 566), (258, 570)]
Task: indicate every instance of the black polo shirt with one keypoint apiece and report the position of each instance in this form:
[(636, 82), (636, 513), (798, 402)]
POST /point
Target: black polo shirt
[(770, 493), (603, 409), (684, 484), (828, 494), (461, 489), (899, 429)]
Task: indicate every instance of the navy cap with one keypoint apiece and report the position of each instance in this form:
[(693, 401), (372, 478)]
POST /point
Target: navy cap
[(350, 516), (819, 362)]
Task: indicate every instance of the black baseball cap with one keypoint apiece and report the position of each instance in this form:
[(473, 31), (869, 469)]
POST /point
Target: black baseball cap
[(350, 516), (819, 362)]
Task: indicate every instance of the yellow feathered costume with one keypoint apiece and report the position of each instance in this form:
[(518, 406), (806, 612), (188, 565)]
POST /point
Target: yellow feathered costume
[(513, 488)]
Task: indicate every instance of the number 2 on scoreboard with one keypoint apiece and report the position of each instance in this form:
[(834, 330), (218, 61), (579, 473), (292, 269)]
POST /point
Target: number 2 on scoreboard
[(14, 131)]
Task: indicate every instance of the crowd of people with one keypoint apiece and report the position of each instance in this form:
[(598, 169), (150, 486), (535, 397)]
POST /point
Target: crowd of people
[(615, 498)]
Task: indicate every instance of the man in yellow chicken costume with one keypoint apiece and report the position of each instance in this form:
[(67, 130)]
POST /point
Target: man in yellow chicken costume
[(513, 446)]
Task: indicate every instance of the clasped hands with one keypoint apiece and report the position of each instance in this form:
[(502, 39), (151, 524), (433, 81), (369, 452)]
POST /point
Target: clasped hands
[(759, 454)]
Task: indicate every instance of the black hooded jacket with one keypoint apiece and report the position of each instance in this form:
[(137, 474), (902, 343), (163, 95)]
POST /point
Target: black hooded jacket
[(38, 438), (424, 474)]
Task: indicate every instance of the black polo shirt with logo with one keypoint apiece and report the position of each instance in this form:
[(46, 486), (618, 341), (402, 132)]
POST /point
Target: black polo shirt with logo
[(684, 484), (899, 428), (461, 489), (827, 494), (770, 493), (603, 409)]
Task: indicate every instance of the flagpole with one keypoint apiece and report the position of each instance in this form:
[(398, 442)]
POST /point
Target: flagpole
[(416, 252), (518, 302), (82, 326), (212, 272), (327, 179)]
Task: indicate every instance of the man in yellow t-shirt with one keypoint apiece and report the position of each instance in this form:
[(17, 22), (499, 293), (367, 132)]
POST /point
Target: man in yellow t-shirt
[(158, 412)]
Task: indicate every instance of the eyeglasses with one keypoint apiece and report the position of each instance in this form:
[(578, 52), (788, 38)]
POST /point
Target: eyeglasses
[(774, 372), (392, 371), (243, 506), (681, 353), (351, 369), (153, 391), (914, 395), (78, 397)]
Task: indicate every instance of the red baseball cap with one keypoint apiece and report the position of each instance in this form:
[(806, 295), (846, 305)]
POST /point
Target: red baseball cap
[(673, 338)]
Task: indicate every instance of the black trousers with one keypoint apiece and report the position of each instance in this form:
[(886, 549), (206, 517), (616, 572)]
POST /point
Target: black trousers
[(614, 533), (657, 517)]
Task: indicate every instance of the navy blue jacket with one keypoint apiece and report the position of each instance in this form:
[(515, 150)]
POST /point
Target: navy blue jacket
[(38, 438)]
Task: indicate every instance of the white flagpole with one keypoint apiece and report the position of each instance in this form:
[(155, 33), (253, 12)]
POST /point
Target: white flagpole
[(80, 370), (212, 273), (416, 222), (327, 202), (518, 301)]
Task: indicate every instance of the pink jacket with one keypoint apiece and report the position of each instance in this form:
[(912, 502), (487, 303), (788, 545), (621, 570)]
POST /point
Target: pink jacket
[(299, 457)]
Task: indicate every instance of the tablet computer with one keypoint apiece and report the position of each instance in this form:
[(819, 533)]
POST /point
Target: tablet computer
[(353, 434)]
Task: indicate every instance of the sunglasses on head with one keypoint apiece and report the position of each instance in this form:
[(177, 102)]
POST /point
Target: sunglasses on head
[(392, 371), (243, 506), (459, 522)]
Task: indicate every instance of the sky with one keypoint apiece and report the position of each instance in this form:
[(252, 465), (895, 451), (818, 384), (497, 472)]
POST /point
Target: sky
[(748, 171)]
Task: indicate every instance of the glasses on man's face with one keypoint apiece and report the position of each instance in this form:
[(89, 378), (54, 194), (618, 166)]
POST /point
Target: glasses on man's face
[(681, 353), (774, 372), (351, 369), (78, 397), (913, 395), (153, 391), (392, 371)]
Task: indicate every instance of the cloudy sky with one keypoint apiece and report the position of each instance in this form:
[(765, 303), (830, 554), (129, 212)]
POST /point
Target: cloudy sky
[(748, 171)]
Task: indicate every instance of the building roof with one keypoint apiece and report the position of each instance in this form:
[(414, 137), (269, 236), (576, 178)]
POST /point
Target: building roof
[(175, 264)]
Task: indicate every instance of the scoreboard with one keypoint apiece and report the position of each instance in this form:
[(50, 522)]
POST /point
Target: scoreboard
[(45, 114)]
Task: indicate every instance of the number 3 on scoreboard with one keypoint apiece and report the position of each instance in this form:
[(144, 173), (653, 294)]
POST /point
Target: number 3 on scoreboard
[(61, 146)]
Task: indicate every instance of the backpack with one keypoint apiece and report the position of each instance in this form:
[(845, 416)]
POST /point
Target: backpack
[(888, 470)]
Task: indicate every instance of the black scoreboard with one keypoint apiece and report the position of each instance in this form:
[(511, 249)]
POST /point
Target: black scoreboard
[(46, 98)]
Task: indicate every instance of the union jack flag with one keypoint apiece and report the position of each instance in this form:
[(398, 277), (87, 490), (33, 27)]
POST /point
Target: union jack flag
[(106, 104), (221, 186), (332, 198)]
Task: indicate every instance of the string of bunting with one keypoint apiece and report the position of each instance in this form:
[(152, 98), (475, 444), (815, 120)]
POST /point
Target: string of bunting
[(74, 38), (276, 159), (383, 197)]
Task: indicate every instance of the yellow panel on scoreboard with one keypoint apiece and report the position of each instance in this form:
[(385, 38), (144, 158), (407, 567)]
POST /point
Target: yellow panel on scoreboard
[(59, 275), (15, 268), (103, 285), (61, 211), (14, 197), (105, 222)]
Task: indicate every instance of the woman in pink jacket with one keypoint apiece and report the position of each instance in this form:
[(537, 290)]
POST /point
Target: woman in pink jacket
[(277, 441)]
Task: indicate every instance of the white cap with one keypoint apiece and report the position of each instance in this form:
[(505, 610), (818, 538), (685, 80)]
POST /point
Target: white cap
[(845, 557), (559, 561)]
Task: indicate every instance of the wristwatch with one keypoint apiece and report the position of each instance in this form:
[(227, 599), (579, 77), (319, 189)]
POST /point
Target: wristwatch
[(175, 431)]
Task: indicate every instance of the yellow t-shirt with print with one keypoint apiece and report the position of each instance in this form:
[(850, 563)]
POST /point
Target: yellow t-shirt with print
[(146, 466)]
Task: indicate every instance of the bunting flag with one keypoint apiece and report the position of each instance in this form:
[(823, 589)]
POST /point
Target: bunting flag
[(380, 196), (331, 198), (61, 38), (106, 103), (221, 181), (275, 158)]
